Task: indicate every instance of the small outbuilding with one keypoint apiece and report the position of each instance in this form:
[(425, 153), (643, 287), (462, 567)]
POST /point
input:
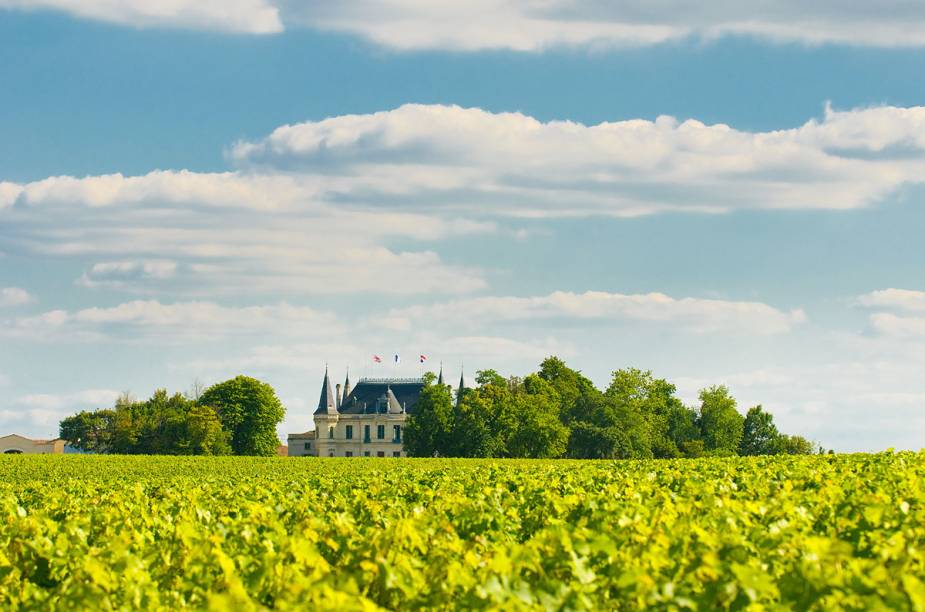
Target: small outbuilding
[(14, 444)]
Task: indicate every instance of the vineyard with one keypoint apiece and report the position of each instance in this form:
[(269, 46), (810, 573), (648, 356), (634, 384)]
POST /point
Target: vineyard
[(820, 532)]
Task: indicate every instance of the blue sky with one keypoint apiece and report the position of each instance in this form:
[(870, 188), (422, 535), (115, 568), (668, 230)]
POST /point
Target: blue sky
[(258, 187)]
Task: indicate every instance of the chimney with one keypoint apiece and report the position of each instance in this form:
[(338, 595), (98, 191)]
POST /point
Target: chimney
[(338, 395)]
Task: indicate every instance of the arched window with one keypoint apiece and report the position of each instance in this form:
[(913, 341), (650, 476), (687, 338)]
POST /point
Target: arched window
[(331, 432)]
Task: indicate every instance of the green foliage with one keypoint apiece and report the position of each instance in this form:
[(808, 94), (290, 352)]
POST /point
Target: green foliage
[(250, 533), (429, 432), (558, 412), (793, 445), (238, 415), (721, 425), (250, 411), (760, 435), (161, 425)]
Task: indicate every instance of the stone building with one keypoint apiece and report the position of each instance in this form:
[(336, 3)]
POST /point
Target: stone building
[(367, 420), (16, 444)]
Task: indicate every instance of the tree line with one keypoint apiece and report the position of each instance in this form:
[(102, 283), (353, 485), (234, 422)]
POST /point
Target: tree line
[(558, 412), (235, 417)]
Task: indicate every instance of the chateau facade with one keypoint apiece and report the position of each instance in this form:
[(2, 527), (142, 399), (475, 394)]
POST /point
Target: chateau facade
[(367, 420)]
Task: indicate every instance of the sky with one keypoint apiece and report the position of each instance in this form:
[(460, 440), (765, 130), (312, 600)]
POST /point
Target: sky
[(195, 189)]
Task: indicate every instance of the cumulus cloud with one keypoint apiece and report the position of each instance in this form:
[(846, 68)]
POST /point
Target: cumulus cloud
[(889, 324), (467, 159), (178, 322), (90, 398), (239, 16), (523, 25), (531, 25), (690, 314), (342, 205), (910, 304), (38, 414), (894, 299), (120, 274), (14, 296), (851, 406), (205, 233)]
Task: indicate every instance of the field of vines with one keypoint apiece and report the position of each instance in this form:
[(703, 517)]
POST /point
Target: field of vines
[(824, 532)]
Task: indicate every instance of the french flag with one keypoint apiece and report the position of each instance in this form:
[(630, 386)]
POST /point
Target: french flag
[(423, 358), (397, 358), (377, 358)]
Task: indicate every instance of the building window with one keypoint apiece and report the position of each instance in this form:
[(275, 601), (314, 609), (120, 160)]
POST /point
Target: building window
[(366, 433), (331, 453), (331, 432), (396, 453), (396, 430), (308, 446), (380, 454), (348, 454), (350, 432), (380, 431), (366, 453)]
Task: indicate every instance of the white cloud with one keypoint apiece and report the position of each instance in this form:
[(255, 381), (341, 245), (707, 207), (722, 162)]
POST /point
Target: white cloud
[(201, 234), (179, 322), (530, 25), (241, 16), (90, 398), (889, 324), (342, 205), (120, 274), (894, 299), (690, 314), (38, 414), (523, 25), (14, 296), (428, 156), (864, 405)]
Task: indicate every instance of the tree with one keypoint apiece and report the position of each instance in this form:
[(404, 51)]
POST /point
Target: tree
[(203, 433), (794, 445), (428, 432), (759, 434), (161, 425), (539, 433), (250, 411), (648, 401), (88, 431), (721, 424), (590, 441), (576, 392), (683, 430)]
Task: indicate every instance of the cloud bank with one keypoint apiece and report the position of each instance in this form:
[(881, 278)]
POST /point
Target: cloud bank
[(237, 16), (349, 204), (524, 25), (14, 296), (467, 159), (689, 314), (901, 312)]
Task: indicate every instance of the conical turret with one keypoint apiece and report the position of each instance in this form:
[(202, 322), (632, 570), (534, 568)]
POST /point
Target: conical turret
[(462, 387), (394, 406), (440, 377), (327, 403), (346, 387)]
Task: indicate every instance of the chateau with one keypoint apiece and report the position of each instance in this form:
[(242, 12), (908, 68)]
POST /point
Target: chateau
[(367, 420)]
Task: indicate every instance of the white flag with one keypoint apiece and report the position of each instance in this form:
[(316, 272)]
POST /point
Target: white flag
[(397, 358)]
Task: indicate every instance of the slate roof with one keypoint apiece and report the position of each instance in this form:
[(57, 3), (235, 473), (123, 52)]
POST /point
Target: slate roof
[(373, 395), (327, 404)]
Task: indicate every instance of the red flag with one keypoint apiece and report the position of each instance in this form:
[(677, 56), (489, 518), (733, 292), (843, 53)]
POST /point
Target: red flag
[(423, 358), (377, 358)]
